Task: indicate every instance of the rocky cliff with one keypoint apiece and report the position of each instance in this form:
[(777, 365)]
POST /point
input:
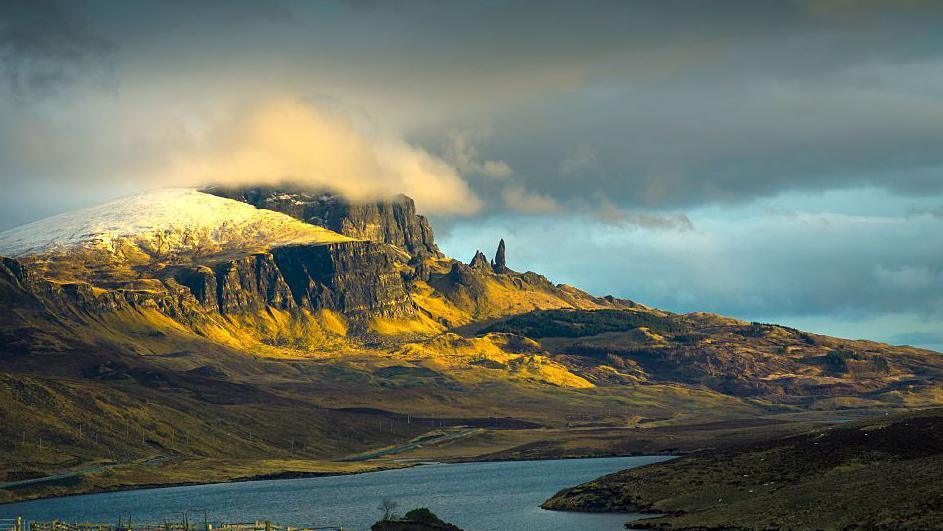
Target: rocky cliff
[(356, 278), (351, 277), (188, 254), (393, 221)]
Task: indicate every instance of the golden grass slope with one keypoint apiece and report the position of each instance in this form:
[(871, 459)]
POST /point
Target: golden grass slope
[(492, 356)]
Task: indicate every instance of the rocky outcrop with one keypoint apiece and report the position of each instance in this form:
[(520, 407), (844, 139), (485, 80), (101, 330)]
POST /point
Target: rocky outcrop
[(13, 271), (393, 221), (201, 281), (466, 280), (479, 261), (14, 278), (421, 269), (500, 261), (350, 277), (21, 287), (251, 282)]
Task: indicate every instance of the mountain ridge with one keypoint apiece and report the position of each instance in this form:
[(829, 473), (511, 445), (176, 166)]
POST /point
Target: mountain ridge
[(282, 325), (196, 219), (394, 221)]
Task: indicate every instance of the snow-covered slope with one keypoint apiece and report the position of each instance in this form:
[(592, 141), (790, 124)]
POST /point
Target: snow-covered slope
[(170, 222)]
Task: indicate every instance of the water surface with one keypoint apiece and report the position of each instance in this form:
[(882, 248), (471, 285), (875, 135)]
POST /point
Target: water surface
[(474, 496)]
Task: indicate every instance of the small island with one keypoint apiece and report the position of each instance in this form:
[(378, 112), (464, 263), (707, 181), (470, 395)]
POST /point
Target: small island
[(421, 519)]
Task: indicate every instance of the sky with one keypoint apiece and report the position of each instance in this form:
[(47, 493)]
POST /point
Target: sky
[(773, 161)]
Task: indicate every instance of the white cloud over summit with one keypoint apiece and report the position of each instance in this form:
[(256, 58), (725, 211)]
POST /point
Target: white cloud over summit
[(285, 140)]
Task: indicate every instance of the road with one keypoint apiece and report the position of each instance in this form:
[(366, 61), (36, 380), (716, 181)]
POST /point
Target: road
[(413, 445), (73, 473)]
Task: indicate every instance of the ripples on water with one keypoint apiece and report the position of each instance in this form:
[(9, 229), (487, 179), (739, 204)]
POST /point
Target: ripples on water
[(474, 496)]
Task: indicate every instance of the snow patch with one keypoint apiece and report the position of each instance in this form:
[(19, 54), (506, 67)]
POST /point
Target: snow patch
[(164, 221)]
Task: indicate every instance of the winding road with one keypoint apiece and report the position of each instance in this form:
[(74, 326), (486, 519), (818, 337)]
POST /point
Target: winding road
[(413, 445)]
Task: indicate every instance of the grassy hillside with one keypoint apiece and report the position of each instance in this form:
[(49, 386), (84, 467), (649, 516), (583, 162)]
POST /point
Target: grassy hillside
[(169, 405), (883, 473), (200, 358), (574, 323), (768, 362)]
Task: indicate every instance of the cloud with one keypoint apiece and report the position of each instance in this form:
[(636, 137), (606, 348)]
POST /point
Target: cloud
[(918, 338), (657, 221), (581, 159), (55, 161), (43, 50), (519, 199), (818, 268), (904, 278), (854, 10), (679, 114), (658, 107), (285, 140), (609, 213), (462, 151)]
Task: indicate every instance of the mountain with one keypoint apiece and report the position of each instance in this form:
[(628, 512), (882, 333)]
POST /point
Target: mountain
[(394, 222), (267, 330), (212, 253), (774, 363), (162, 225)]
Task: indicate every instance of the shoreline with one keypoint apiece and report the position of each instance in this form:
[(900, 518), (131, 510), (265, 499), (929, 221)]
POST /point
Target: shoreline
[(153, 486), (289, 475)]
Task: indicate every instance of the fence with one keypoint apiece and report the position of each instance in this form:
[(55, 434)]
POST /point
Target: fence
[(266, 525), (258, 525), (11, 524)]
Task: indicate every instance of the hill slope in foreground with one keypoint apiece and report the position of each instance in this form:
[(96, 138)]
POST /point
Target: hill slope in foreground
[(881, 473), (254, 332)]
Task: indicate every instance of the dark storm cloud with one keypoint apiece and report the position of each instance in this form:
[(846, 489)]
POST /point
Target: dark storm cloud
[(623, 121), (799, 96), (44, 49), (679, 103)]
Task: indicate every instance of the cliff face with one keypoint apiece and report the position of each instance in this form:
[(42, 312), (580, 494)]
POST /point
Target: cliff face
[(14, 281), (357, 278), (246, 283), (350, 277), (251, 282), (394, 221)]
